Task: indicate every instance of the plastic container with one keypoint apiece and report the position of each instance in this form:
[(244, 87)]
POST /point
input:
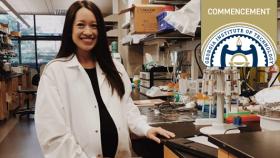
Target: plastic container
[(269, 123), (162, 24)]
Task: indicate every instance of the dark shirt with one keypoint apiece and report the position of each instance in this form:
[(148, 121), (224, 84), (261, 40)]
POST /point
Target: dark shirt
[(109, 134)]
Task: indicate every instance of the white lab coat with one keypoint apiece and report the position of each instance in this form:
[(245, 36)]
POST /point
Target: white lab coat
[(67, 116)]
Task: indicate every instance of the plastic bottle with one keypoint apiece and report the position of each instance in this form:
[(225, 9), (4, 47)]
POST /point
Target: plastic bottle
[(115, 54)]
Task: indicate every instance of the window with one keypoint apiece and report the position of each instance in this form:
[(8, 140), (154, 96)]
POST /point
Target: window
[(49, 25), (7, 19), (27, 31), (48, 29), (28, 53), (47, 50)]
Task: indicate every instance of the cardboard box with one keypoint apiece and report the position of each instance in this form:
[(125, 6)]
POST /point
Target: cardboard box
[(4, 27), (143, 17), (15, 34), (140, 2)]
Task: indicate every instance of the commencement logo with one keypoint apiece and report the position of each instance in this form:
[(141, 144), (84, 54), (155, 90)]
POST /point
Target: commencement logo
[(240, 45)]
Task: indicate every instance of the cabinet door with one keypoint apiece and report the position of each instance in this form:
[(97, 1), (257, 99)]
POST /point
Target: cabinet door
[(3, 102), (15, 95), (168, 153)]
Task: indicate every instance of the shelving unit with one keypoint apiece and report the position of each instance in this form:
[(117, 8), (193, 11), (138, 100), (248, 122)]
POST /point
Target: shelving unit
[(3, 32), (160, 43), (7, 43), (172, 35), (168, 34), (169, 2), (126, 26), (9, 81), (129, 44), (6, 47)]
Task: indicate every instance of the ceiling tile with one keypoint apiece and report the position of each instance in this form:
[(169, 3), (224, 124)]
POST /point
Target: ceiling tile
[(50, 6)]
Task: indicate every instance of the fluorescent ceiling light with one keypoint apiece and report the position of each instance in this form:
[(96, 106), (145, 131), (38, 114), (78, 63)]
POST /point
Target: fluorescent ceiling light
[(12, 12)]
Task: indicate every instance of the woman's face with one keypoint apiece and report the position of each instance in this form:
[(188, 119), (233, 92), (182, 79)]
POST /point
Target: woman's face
[(84, 30)]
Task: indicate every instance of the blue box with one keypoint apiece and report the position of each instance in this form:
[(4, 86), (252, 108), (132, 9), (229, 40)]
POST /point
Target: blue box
[(162, 24)]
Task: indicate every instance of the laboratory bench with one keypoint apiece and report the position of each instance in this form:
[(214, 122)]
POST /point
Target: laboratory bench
[(184, 148), (177, 146), (10, 99), (183, 127), (247, 145)]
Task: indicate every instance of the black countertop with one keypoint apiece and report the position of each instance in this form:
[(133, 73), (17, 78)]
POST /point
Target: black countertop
[(251, 144), (10, 75), (149, 149)]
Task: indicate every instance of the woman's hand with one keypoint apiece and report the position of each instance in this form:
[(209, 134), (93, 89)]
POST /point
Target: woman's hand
[(154, 131)]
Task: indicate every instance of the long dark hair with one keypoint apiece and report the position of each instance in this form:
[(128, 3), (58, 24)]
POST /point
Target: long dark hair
[(100, 52)]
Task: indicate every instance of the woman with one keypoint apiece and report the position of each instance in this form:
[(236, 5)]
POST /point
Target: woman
[(83, 105)]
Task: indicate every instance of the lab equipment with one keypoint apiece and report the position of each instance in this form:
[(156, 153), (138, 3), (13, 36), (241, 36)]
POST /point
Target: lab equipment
[(156, 76), (174, 59), (270, 117), (154, 92), (221, 86), (270, 108)]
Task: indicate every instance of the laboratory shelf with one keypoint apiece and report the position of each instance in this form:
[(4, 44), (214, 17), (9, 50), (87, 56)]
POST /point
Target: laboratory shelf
[(169, 2), (172, 35)]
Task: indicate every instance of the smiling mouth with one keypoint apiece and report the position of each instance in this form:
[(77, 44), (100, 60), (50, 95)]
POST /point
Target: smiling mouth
[(87, 39)]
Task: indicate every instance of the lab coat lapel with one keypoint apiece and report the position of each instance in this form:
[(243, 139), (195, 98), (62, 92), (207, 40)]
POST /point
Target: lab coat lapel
[(104, 88), (74, 63)]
